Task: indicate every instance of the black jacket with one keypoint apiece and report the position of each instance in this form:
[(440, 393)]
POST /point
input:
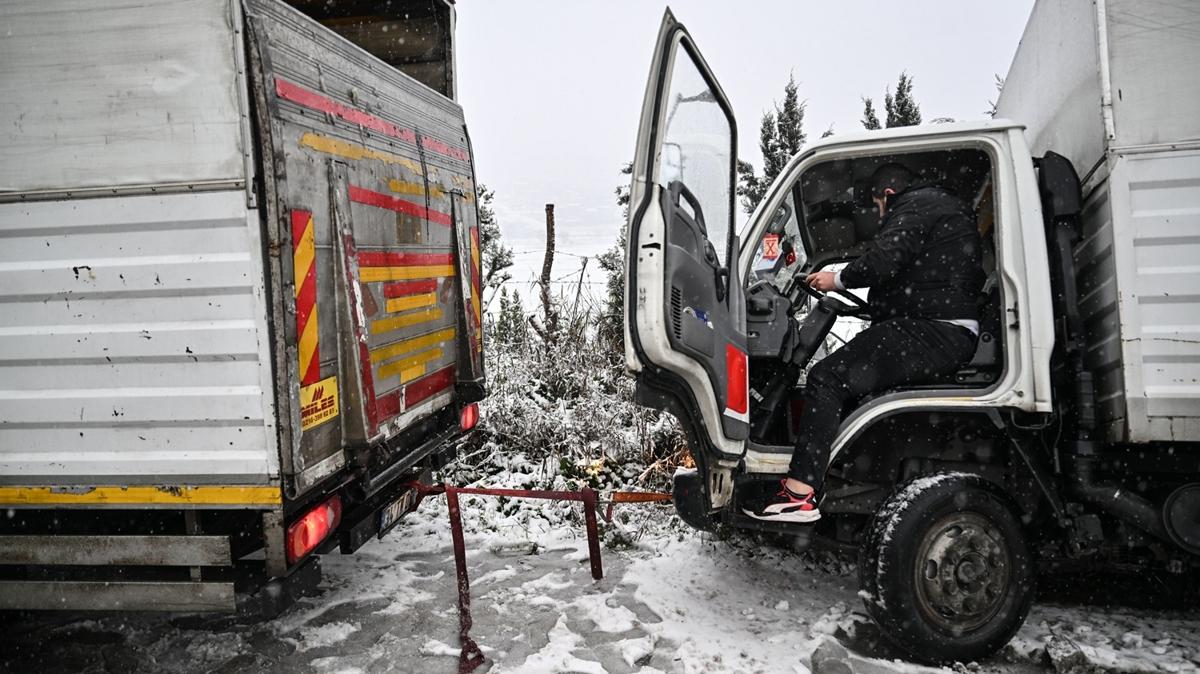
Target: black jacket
[(925, 261)]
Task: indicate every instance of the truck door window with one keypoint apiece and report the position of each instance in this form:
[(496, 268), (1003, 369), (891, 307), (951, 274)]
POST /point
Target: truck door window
[(696, 149)]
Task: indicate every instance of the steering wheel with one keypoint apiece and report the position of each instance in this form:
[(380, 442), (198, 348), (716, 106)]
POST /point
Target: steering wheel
[(863, 308)]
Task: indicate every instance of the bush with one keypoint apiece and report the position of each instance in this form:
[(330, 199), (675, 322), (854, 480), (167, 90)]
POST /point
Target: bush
[(568, 409)]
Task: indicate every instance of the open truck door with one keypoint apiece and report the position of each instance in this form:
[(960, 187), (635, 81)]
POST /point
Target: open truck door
[(684, 313)]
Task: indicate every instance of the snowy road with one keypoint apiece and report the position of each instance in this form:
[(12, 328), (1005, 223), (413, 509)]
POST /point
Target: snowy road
[(676, 601)]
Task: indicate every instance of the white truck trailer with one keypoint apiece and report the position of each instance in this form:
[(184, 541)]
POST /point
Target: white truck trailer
[(1111, 85), (239, 290), (1071, 439)]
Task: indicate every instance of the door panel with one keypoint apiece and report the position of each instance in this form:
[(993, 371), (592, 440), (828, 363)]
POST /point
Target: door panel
[(383, 167), (685, 319)]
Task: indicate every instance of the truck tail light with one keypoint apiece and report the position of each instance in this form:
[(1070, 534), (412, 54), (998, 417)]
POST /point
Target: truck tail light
[(469, 417), (306, 533)]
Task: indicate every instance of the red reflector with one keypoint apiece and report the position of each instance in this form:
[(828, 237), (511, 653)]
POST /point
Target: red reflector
[(469, 417), (736, 383), (306, 533)]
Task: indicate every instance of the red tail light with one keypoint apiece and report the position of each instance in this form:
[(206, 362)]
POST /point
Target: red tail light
[(306, 533), (469, 417)]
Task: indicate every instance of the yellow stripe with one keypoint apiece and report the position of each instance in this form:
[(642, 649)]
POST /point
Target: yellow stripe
[(373, 274), (414, 189), (406, 364), (411, 302), (308, 342), (142, 495), (412, 373), (474, 295), (302, 256), (355, 152), (405, 320), (409, 345)]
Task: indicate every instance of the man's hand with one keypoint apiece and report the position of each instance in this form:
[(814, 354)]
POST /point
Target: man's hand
[(822, 280)]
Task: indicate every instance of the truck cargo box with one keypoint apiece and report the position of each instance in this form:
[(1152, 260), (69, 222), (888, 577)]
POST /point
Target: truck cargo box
[(1112, 86), (244, 257)]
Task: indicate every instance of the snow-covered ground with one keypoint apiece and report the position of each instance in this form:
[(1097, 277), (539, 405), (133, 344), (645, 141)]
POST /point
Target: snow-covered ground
[(673, 600)]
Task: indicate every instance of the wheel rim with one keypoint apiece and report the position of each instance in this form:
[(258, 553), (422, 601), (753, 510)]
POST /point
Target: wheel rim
[(962, 573)]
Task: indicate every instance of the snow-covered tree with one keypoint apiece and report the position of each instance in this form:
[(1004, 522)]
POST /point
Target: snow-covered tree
[(497, 258), (780, 137), (510, 327), (870, 120), (612, 261), (902, 108)]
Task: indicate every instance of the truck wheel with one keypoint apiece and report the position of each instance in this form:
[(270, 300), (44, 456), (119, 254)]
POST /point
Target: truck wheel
[(944, 570)]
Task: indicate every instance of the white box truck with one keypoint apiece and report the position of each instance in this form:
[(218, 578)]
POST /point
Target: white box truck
[(1070, 439), (239, 290)]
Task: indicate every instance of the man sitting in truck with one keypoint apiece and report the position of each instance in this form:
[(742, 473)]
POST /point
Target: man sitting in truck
[(925, 273)]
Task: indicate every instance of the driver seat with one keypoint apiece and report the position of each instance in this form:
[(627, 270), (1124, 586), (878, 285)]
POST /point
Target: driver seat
[(985, 366)]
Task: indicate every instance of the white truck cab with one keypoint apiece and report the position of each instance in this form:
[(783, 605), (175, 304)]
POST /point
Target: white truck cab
[(940, 484)]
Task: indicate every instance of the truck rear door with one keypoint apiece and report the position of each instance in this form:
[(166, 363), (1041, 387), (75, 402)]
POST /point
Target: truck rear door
[(684, 313), (375, 251)]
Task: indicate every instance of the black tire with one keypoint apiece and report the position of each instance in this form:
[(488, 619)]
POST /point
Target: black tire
[(937, 594)]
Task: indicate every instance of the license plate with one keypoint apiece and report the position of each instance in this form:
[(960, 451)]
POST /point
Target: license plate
[(395, 510)]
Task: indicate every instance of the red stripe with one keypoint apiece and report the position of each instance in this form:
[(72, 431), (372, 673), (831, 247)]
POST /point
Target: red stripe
[(306, 298), (299, 221), (427, 386), (388, 405), (404, 288), (311, 99), (314, 101), (439, 147), (363, 195), (380, 258)]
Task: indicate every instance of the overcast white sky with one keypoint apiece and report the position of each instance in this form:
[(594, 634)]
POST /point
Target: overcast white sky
[(552, 90)]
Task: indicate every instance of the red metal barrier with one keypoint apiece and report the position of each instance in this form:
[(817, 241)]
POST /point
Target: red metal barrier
[(471, 656)]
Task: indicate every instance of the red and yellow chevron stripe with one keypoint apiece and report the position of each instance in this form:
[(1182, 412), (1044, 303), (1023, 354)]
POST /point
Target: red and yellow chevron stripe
[(304, 270)]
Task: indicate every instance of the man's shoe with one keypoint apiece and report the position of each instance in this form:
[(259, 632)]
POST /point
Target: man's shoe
[(787, 506)]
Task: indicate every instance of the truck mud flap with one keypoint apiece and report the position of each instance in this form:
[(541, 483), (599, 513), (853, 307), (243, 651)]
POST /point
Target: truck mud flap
[(691, 501)]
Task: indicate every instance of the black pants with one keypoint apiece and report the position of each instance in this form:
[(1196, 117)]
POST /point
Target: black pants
[(885, 355)]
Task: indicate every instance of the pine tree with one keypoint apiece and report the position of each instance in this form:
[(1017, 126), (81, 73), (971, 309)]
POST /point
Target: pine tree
[(612, 261), (750, 187), (499, 326), (902, 109), (870, 120), (790, 123), (497, 258), (780, 137), (510, 321)]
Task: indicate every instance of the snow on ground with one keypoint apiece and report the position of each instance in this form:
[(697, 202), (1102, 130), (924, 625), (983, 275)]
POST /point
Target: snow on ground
[(673, 601)]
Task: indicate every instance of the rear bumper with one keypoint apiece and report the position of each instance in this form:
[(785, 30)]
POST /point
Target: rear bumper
[(362, 521)]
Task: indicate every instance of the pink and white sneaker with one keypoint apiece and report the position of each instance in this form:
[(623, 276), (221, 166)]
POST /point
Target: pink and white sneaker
[(787, 506)]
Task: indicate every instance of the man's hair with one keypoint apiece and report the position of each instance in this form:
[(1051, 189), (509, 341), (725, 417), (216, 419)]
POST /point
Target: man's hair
[(891, 175)]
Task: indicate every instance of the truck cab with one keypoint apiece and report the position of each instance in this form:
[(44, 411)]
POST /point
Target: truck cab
[(944, 486)]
